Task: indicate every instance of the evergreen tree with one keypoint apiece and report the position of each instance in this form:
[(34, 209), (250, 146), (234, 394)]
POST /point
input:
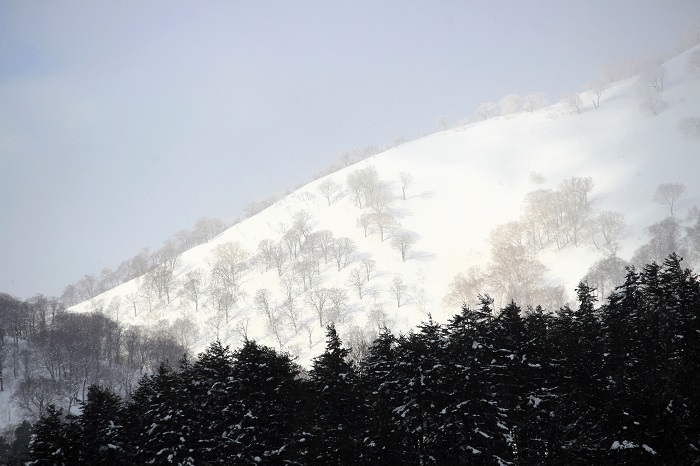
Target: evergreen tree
[(380, 388), (333, 381), (160, 425), (576, 413), (536, 433), (423, 395), (474, 421), (19, 449), (100, 427), (50, 444), (213, 407), (271, 395)]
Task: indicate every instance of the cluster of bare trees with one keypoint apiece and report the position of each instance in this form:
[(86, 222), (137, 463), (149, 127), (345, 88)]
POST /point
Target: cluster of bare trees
[(605, 274), (551, 219), (373, 196), (652, 72), (303, 253), (560, 218), (672, 235), (512, 103), (144, 262), (255, 207), (52, 356), (650, 85), (299, 258)]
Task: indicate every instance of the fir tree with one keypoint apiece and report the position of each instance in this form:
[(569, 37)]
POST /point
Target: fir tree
[(213, 407), (474, 421), (50, 442), (271, 395), (160, 428), (333, 381), (380, 388), (100, 426)]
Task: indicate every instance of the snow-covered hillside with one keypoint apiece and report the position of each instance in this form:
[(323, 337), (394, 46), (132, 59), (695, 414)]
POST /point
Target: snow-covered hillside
[(464, 182)]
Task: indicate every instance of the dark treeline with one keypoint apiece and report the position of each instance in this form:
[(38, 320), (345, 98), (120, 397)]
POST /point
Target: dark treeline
[(50, 355), (607, 385)]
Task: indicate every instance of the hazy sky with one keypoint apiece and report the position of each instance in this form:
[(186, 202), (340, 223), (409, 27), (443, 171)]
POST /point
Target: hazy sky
[(123, 122)]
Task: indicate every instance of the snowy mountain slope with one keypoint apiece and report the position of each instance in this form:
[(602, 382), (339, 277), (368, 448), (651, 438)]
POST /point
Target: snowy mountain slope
[(466, 181)]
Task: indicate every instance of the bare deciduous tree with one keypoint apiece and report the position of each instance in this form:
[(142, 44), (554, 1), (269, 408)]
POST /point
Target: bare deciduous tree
[(292, 240), (337, 297), (329, 189), (577, 187), (605, 274), (406, 180), (402, 241), (487, 110), (290, 286), (666, 238), (133, 299), (509, 236), (369, 266), (653, 73), (517, 277), (668, 194), (573, 101), (306, 268), (650, 99), (379, 199), (364, 221), (292, 313), (377, 317), (466, 288), (302, 223), (263, 303), (536, 178), (241, 328), (325, 241), (193, 287), (265, 248), (167, 260), (347, 158), (357, 280), (598, 87), (318, 299), (206, 228), (511, 103), (228, 268), (34, 394), (383, 221), (279, 258), (364, 184), (398, 289), (534, 101), (140, 263), (185, 331), (343, 249), (607, 229)]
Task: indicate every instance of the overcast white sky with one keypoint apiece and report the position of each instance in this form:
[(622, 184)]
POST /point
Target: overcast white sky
[(123, 122)]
